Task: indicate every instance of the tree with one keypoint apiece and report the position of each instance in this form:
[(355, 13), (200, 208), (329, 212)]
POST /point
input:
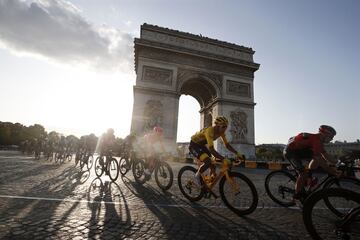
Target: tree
[(36, 131), (5, 133)]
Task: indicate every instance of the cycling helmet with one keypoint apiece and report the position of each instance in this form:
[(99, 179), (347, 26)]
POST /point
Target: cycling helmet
[(158, 130), (110, 131), (221, 120), (327, 130)]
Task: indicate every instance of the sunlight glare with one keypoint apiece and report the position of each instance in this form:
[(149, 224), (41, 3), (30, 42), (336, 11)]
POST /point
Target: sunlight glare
[(188, 118)]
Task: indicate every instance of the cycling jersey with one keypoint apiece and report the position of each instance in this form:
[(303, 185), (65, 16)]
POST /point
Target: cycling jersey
[(152, 139), (306, 141), (207, 136), (106, 143)]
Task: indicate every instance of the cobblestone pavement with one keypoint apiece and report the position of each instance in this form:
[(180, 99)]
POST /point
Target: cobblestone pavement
[(44, 200)]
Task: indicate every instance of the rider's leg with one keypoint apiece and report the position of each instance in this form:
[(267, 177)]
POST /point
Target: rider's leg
[(206, 163), (302, 177), (107, 165), (212, 170), (300, 182), (152, 163), (148, 165)]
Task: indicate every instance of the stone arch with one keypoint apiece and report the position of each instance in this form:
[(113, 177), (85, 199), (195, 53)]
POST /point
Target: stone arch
[(204, 91), (200, 87), (219, 75)]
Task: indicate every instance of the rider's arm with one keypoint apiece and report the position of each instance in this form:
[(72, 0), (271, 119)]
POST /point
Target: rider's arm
[(209, 135), (320, 161), (329, 158), (231, 149), (215, 153)]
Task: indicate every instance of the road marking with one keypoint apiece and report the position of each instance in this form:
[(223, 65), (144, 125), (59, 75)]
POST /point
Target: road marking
[(126, 203)]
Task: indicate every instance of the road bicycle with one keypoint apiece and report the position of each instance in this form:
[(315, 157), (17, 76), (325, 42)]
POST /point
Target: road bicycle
[(68, 156), (164, 175), (236, 190), (324, 224), (60, 156), (107, 164), (280, 184), (83, 158), (48, 154), (125, 164), (37, 154)]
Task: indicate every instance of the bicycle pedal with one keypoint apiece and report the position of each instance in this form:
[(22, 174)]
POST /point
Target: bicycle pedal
[(207, 195)]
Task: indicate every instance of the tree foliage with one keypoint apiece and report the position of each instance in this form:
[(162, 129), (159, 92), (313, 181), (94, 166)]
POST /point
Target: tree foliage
[(15, 133)]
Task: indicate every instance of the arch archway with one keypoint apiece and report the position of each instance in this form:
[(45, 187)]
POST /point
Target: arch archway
[(205, 92), (217, 74)]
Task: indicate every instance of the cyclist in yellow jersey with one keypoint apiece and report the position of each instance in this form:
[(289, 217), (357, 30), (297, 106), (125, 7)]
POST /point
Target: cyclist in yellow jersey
[(202, 146)]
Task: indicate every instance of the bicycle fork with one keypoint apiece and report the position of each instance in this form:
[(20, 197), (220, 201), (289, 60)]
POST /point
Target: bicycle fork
[(343, 224)]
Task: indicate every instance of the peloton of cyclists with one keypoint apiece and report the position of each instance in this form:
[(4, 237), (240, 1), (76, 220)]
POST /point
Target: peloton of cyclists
[(202, 146), (309, 147)]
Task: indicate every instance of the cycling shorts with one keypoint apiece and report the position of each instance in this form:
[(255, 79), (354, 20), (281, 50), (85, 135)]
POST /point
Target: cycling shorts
[(199, 151), (298, 158)]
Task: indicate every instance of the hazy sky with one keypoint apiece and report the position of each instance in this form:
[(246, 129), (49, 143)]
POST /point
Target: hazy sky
[(69, 65)]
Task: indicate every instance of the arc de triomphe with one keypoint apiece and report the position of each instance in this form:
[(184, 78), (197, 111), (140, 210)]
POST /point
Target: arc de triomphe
[(219, 75)]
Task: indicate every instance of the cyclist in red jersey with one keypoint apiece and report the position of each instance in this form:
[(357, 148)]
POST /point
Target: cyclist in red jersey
[(151, 140), (308, 147)]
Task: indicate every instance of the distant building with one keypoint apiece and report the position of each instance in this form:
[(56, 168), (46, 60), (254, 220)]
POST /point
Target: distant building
[(338, 148), (269, 152), (272, 146), (183, 150)]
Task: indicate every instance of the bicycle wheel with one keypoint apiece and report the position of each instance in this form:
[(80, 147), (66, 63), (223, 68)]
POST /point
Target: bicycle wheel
[(138, 169), (349, 183), (124, 164), (280, 187), (99, 166), (321, 223), (239, 193), (164, 176), (113, 169), (187, 186), (90, 162)]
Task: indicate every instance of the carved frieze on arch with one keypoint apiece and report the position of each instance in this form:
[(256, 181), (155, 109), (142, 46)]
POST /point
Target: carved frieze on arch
[(153, 114), (239, 126)]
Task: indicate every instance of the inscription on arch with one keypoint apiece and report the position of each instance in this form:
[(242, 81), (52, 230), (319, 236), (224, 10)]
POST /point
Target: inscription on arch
[(157, 75), (238, 89)]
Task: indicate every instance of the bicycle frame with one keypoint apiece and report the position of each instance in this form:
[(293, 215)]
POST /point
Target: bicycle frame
[(346, 166), (224, 171), (348, 218)]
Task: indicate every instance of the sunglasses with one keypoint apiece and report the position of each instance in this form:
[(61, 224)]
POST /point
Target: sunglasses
[(223, 126)]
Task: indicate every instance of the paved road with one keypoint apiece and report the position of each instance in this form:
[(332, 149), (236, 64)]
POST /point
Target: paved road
[(44, 200)]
